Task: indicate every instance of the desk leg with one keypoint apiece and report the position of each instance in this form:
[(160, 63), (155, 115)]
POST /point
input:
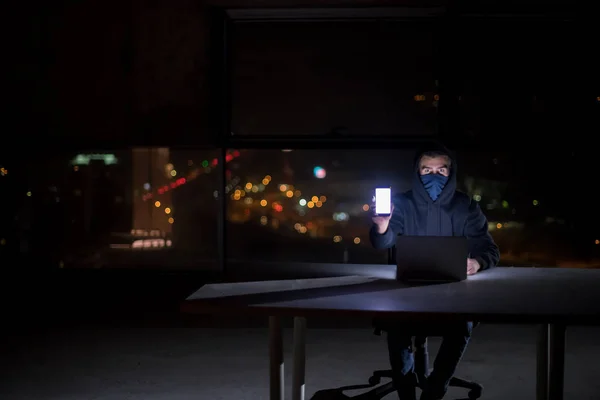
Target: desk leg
[(276, 370), (299, 354), (557, 362), (541, 385)]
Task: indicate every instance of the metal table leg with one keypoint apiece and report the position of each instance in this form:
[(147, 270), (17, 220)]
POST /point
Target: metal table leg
[(541, 385), (557, 362), (276, 367), (299, 354)]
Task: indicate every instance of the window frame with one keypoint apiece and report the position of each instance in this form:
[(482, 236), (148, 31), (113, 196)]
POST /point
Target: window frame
[(300, 15), (447, 17), (219, 78), (223, 19)]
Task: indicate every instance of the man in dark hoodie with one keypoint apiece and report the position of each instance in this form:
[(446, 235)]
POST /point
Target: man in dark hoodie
[(433, 208)]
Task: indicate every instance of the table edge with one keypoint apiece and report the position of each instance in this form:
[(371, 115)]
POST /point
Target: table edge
[(189, 308)]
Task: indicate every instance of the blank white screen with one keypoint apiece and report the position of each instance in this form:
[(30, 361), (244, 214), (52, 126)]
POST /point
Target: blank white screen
[(383, 201)]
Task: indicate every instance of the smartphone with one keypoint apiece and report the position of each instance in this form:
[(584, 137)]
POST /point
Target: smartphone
[(383, 201)]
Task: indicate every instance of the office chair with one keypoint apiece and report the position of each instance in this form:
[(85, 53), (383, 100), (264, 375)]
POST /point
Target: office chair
[(421, 357)]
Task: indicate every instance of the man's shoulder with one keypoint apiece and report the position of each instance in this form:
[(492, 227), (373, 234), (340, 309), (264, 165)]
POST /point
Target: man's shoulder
[(459, 198), (402, 195), (464, 201), (400, 199), (462, 197)]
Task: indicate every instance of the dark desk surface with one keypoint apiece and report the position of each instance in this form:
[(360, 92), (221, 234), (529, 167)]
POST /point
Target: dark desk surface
[(510, 295)]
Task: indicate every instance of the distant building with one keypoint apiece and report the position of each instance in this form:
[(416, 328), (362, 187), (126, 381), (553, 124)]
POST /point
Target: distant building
[(151, 174)]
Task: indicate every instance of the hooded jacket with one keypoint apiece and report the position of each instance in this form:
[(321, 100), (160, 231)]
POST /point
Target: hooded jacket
[(453, 213)]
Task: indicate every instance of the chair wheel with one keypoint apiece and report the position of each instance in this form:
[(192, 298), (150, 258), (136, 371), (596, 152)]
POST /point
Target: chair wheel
[(374, 380), (474, 394)]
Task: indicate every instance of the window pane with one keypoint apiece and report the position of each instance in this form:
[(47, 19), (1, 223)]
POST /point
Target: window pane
[(145, 207), (536, 197), (309, 205), (517, 79), (356, 78)]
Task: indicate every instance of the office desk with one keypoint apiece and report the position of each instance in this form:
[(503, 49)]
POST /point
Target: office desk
[(551, 297)]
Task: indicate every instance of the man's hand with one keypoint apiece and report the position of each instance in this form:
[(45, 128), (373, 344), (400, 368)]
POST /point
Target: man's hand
[(472, 266), (382, 222)]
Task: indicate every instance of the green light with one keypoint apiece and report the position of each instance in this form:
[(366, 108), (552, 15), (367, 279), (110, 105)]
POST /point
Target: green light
[(84, 159)]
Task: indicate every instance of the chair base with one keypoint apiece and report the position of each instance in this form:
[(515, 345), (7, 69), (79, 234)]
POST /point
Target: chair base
[(475, 389)]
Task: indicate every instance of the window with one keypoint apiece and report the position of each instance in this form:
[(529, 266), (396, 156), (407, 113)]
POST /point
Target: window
[(145, 207), (516, 79), (308, 205), (374, 77), (313, 205)]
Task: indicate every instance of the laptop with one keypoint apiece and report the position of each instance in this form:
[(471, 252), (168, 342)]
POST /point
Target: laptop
[(435, 259)]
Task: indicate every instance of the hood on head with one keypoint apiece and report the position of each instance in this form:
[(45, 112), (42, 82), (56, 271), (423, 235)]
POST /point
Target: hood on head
[(417, 184)]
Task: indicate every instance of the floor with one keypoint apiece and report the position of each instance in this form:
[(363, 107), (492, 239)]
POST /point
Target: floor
[(185, 363)]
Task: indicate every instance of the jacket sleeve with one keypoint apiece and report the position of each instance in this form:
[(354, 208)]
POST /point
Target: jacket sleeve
[(481, 244), (396, 227)]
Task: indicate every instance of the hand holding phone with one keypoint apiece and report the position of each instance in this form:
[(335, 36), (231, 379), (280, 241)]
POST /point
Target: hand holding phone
[(382, 208)]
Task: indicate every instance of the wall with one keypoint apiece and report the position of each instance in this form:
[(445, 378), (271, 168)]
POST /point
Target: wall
[(115, 70)]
